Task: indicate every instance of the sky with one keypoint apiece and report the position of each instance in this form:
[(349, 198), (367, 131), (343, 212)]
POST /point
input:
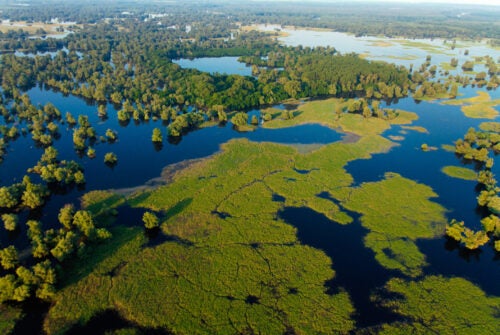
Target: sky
[(472, 2)]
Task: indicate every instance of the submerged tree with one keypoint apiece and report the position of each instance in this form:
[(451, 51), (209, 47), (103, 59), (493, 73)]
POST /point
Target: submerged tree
[(157, 137), (150, 220)]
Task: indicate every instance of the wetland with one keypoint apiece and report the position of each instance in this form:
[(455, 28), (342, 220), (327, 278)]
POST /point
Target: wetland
[(323, 212)]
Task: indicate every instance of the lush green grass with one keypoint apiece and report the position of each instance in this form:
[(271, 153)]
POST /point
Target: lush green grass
[(100, 202), (459, 172), (447, 66), (418, 129), (397, 211), (437, 305), (323, 112), (479, 107), (431, 48), (206, 284), (493, 127), (448, 147)]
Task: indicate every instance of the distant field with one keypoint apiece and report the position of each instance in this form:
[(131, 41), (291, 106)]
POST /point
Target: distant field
[(32, 28)]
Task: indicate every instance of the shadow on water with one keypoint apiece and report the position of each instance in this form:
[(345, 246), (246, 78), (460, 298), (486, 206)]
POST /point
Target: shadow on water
[(355, 267), (447, 258), (34, 313), (110, 320)]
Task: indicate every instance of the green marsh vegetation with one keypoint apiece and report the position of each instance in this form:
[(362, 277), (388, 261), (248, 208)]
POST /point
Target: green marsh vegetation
[(226, 251), (401, 214), (481, 106), (440, 305), (459, 172), (232, 264)]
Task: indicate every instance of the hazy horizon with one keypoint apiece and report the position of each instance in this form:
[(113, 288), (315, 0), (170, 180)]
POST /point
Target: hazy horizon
[(454, 2)]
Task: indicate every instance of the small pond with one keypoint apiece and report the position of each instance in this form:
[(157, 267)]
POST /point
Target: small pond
[(222, 65)]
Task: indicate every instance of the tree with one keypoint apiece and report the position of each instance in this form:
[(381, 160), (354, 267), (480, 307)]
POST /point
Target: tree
[(287, 115), (91, 152), (39, 247), (150, 220), (222, 116), (157, 137), (64, 246), (7, 198), (70, 119), (79, 177), (10, 221), (367, 111), (491, 224), (110, 158), (254, 120), (267, 117), (101, 111), (468, 66), (111, 135), (455, 230), (9, 257), (7, 287), (65, 216), (32, 199), (454, 90), (240, 119), (85, 223)]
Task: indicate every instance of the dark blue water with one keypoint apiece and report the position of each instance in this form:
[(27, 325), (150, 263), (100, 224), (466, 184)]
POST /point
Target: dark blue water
[(356, 269), (445, 124), (139, 160)]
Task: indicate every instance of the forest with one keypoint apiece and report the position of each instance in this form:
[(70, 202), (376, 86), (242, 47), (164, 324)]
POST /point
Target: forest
[(119, 57)]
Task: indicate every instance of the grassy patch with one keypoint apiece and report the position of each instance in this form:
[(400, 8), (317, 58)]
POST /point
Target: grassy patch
[(480, 106), (418, 129), (400, 214), (440, 305), (448, 148), (438, 96), (100, 202), (402, 57), (323, 112), (381, 43), (447, 66), (32, 28), (493, 127), (396, 138), (459, 172), (431, 48)]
